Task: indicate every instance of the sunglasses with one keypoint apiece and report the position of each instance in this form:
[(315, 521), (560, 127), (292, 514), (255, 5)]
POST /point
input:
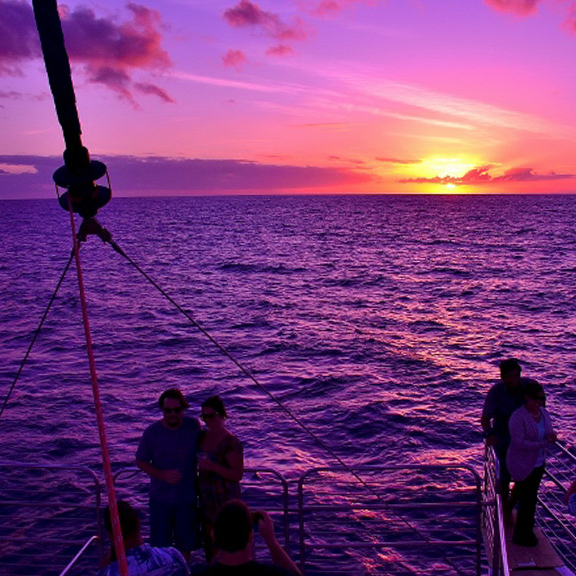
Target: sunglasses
[(208, 416), (176, 410)]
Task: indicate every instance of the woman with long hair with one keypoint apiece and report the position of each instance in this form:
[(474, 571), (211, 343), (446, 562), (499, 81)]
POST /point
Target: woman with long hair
[(220, 465)]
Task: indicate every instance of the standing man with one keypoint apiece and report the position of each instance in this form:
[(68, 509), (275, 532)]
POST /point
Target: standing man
[(501, 401), (167, 453)]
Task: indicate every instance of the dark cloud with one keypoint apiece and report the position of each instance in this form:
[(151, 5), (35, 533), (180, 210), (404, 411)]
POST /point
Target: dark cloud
[(234, 58), (109, 51), (134, 176), (18, 36), (247, 14), (154, 90), (481, 175), (132, 44)]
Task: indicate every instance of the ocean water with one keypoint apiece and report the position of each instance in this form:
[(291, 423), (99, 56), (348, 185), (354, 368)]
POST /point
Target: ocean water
[(378, 321)]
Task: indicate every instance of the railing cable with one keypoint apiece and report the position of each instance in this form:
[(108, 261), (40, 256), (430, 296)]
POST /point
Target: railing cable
[(253, 379)]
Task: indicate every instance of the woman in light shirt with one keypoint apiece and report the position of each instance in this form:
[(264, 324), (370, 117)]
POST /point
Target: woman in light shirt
[(531, 432)]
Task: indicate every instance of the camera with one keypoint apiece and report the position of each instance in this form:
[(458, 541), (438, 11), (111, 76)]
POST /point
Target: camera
[(256, 517)]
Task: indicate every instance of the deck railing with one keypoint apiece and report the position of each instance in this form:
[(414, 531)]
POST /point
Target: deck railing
[(552, 514), (46, 514), (397, 520), (411, 519), (492, 517)]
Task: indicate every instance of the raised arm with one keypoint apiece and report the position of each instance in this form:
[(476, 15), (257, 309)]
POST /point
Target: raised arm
[(279, 555)]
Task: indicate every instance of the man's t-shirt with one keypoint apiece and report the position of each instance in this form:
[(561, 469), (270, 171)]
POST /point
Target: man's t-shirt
[(499, 405), (146, 560), (248, 569), (170, 449)]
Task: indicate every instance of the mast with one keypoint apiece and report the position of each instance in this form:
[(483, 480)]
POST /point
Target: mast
[(84, 197)]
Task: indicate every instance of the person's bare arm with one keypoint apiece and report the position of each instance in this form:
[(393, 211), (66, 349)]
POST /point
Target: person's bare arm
[(233, 472), (279, 555)]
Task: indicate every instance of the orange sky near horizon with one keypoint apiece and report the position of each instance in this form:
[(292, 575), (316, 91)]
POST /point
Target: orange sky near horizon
[(303, 96)]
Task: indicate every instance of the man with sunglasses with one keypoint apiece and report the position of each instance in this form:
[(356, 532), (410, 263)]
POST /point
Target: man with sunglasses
[(167, 453)]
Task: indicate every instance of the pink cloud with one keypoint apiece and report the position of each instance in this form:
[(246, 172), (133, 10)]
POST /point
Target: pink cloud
[(520, 7), (481, 175), (332, 7), (570, 21), (107, 50), (247, 14), (280, 50), (528, 7), (397, 161), (234, 58)]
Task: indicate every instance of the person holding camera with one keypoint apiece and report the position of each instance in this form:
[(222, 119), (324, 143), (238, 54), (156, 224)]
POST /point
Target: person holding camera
[(234, 540)]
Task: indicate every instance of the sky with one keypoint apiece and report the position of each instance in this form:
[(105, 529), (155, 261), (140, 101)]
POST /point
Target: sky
[(196, 97)]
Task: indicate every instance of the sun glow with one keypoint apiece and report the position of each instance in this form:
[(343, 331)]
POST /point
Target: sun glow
[(447, 167)]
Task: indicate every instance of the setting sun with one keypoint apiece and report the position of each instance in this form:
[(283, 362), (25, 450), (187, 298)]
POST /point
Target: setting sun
[(446, 167)]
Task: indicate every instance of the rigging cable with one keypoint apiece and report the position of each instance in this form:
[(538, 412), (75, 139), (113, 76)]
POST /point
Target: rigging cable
[(36, 333)]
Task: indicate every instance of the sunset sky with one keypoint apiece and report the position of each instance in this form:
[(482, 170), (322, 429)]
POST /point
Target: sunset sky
[(299, 96)]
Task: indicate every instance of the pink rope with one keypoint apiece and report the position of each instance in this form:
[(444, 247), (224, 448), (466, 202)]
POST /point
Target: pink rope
[(115, 520)]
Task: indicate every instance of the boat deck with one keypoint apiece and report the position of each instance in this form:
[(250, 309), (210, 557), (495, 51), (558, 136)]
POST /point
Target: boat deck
[(542, 560)]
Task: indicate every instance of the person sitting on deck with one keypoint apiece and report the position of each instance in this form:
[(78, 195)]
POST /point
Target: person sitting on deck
[(142, 559), (234, 539)]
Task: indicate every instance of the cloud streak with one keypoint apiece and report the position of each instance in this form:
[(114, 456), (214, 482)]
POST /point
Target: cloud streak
[(25, 176), (107, 50), (481, 175)]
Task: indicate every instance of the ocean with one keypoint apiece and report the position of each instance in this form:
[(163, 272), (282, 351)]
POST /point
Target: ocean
[(378, 321)]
